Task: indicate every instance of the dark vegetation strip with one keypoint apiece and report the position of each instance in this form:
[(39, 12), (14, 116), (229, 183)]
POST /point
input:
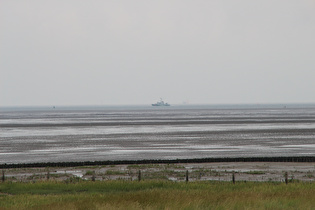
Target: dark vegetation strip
[(192, 122), (129, 162)]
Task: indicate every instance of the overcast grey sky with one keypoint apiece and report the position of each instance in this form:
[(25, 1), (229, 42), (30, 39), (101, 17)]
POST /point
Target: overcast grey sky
[(79, 52)]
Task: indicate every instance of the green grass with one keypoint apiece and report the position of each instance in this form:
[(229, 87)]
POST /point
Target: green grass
[(88, 173), (255, 172), (156, 195), (115, 172)]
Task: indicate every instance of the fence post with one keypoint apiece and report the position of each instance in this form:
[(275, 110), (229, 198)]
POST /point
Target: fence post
[(139, 175), (286, 177), (93, 176), (3, 176), (48, 174), (233, 177), (187, 177)]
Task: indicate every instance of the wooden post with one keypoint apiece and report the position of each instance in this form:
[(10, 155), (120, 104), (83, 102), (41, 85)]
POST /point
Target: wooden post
[(187, 178), (139, 175), (3, 176), (286, 177), (233, 177), (93, 176), (48, 174)]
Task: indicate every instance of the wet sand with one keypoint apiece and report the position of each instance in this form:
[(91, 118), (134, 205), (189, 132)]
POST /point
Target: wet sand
[(147, 133)]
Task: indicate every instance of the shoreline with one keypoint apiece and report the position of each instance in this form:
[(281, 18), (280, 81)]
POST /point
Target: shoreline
[(215, 171)]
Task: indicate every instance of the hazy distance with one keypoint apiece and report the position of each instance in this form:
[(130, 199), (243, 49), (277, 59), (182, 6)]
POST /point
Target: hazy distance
[(77, 52)]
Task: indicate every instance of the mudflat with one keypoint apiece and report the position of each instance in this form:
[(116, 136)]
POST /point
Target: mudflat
[(143, 133)]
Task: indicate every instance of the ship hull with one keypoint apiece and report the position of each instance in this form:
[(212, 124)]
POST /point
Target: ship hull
[(160, 105)]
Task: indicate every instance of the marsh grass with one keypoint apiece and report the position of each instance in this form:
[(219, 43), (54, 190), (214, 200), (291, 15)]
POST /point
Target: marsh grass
[(206, 172), (156, 195), (156, 166), (115, 172), (255, 172), (89, 173)]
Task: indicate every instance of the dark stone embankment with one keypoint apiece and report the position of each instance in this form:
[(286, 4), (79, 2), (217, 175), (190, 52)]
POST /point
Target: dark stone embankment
[(130, 162)]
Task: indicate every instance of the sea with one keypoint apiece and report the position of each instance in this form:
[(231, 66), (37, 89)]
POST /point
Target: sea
[(100, 133)]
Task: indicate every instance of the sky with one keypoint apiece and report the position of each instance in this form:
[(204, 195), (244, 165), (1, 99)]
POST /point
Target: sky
[(122, 52)]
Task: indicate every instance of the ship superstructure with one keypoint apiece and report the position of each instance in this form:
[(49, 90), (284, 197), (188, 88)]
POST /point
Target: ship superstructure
[(161, 103)]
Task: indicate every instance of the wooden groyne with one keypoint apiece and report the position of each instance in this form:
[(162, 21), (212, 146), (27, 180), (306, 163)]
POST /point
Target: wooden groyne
[(132, 162)]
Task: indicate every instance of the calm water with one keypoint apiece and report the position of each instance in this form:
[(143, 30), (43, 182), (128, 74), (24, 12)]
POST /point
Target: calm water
[(41, 134)]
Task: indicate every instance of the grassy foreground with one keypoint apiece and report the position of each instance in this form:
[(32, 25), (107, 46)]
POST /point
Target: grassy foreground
[(156, 195)]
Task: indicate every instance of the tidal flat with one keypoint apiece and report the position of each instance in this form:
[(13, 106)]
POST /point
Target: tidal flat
[(71, 135)]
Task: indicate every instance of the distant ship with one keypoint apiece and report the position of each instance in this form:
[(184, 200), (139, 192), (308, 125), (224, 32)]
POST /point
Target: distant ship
[(161, 103)]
